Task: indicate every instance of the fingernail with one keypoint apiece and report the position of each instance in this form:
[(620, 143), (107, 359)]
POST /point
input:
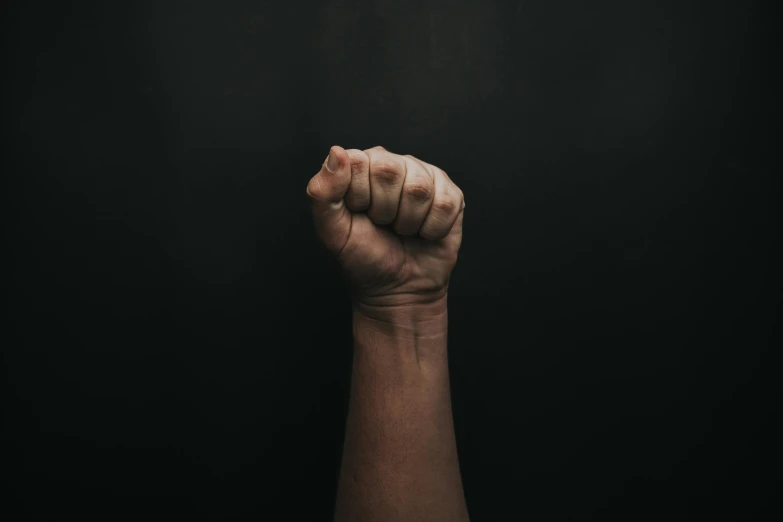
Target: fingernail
[(332, 163)]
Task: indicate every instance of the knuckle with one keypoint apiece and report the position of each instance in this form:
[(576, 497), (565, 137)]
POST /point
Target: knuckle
[(358, 195), (359, 185), (444, 206), (385, 170), (433, 232), (418, 190), (359, 161)]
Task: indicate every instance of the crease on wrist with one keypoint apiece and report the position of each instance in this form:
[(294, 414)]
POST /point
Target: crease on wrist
[(407, 322)]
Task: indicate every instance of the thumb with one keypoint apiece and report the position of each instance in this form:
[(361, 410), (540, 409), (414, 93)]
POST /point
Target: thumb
[(326, 191)]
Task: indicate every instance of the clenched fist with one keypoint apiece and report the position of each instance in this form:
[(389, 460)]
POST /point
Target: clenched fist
[(393, 222)]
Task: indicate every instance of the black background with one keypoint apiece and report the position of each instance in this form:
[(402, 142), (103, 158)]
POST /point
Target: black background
[(178, 344)]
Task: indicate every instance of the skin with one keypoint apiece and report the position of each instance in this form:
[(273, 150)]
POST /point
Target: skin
[(394, 224)]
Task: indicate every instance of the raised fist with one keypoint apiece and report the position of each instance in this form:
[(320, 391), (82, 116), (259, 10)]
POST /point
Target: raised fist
[(393, 222)]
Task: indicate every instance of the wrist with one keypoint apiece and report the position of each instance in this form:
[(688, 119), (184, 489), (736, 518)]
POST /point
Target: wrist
[(427, 319)]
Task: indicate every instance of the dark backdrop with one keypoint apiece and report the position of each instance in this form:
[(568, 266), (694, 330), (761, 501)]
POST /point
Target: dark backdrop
[(178, 344)]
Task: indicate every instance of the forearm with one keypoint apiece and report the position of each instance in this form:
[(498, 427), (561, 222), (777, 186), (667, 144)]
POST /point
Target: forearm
[(400, 456)]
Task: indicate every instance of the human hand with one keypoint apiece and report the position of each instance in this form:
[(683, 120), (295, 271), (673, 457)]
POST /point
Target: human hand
[(393, 222)]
